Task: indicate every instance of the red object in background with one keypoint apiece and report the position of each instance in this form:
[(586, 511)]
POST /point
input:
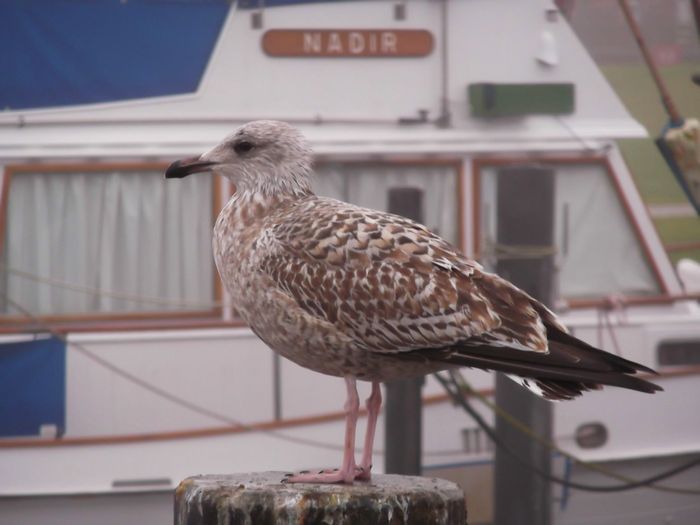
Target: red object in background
[(565, 6), (667, 54)]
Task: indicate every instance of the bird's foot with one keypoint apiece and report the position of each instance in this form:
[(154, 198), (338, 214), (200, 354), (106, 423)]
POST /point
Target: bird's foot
[(363, 473), (328, 476)]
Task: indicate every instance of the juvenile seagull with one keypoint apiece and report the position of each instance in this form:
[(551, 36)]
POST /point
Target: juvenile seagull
[(361, 294)]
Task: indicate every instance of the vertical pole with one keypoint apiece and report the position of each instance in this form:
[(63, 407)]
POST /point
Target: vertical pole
[(525, 218), (444, 120), (695, 4), (673, 113), (402, 402), (277, 385), (402, 434)]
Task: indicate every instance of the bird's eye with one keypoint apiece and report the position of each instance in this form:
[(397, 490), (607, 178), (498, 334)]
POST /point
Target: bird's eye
[(242, 146)]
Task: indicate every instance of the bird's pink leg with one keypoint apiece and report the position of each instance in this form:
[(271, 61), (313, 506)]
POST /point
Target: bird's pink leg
[(348, 471), (374, 403)]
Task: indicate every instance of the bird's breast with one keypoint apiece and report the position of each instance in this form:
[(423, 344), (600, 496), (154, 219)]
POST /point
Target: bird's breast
[(239, 245)]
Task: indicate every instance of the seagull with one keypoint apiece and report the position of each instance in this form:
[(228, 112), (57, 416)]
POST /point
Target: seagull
[(366, 295)]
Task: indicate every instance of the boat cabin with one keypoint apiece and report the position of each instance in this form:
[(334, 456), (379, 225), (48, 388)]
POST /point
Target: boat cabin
[(424, 108)]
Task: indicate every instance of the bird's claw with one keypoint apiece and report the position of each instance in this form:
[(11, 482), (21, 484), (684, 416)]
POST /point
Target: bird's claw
[(363, 474), (327, 476)]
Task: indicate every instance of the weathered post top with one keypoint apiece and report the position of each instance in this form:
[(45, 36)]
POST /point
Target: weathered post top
[(262, 499)]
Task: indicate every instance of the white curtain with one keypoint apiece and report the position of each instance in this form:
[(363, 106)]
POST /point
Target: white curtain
[(131, 233), (598, 253), (369, 185)]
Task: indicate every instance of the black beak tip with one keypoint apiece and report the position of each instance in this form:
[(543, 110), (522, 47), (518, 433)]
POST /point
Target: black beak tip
[(176, 171), (185, 167)]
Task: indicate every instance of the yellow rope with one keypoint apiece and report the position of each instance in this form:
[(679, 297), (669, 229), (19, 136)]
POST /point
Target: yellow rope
[(58, 283), (465, 387)]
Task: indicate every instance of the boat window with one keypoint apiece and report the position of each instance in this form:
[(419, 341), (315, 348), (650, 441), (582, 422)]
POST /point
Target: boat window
[(679, 353), (591, 435), (428, 193), (84, 242), (475, 441), (596, 250)]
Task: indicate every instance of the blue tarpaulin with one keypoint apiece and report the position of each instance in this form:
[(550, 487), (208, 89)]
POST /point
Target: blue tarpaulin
[(32, 386), (66, 52), (260, 4)]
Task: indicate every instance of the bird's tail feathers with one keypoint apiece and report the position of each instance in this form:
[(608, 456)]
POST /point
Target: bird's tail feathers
[(569, 368), (548, 380)]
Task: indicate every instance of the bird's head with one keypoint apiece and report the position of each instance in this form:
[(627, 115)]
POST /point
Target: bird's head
[(265, 156)]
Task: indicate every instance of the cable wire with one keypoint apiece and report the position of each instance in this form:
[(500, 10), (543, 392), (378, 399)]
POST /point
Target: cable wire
[(500, 412), (185, 403), (162, 393), (456, 379), (65, 285), (457, 395)]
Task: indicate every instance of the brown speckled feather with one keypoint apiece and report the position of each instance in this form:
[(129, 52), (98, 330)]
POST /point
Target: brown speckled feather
[(361, 294), (391, 284), (349, 291)]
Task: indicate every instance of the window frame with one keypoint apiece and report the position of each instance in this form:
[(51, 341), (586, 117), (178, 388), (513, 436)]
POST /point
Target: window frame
[(665, 344), (222, 190), (480, 163), (104, 319)]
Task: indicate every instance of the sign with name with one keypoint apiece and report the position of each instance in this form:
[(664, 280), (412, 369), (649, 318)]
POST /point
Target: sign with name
[(329, 43)]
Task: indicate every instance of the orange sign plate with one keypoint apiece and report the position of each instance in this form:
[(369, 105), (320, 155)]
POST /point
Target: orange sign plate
[(347, 42)]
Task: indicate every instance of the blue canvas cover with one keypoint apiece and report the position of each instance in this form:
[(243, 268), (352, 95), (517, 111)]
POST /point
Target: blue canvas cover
[(259, 4), (32, 386), (69, 52)]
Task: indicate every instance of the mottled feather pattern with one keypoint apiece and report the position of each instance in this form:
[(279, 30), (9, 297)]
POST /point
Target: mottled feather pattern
[(390, 283), (350, 291), (382, 280), (362, 294)]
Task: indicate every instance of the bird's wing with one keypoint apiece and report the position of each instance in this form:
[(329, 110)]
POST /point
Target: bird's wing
[(394, 286)]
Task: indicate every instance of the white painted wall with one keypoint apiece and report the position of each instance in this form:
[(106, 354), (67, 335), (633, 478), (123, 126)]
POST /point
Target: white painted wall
[(228, 372), (487, 41)]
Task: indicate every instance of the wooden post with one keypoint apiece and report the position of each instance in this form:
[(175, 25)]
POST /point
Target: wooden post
[(262, 499), (403, 401), (673, 113), (525, 224)]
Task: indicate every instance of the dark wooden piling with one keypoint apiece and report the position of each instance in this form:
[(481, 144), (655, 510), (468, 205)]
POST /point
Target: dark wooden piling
[(262, 499), (522, 495)]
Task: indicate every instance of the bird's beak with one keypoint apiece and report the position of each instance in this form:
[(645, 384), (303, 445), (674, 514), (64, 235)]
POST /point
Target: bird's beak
[(185, 167)]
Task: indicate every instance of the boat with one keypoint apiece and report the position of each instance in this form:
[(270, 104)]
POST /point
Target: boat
[(127, 369)]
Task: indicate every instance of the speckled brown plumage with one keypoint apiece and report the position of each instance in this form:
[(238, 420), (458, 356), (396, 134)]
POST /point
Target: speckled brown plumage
[(358, 293), (364, 289)]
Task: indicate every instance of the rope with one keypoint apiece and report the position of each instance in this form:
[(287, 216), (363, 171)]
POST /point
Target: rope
[(461, 386), (58, 283), (496, 250), (185, 403)]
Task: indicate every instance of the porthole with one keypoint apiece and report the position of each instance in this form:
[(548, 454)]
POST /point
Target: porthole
[(591, 435)]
